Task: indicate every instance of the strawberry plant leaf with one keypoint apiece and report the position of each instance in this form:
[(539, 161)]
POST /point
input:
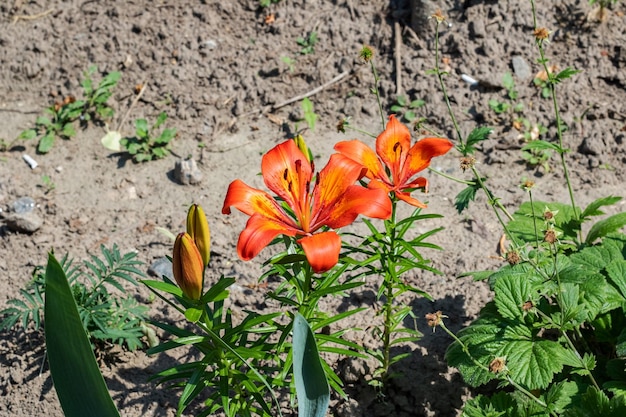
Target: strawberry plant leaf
[(462, 200), (593, 209), (477, 135), (606, 226), (531, 362), (511, 292)]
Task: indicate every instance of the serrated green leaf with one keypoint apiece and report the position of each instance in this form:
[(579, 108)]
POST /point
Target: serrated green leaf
[(560, 396), (511, 292), (596, 403), (396, 109), (606, 226), (462, 200), (531, 362), (401, 100), (477, 135), (593, 209), (616, 271), (564, 74)]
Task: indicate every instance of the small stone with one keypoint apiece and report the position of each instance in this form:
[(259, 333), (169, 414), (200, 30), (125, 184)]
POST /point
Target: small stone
[(477, 29), (521, 69), (23, 205), (186, 172), (23, 222), (160, 267)]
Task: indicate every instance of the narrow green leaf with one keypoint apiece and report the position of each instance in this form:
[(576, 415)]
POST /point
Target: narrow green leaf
[(593, 209), (312, 388), (73, 365), (606, 226)]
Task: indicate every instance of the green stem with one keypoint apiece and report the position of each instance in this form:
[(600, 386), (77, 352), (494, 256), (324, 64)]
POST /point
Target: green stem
[(443, 86), (388, 282), (557, 115), (532, 208), (450, 177), (377, 93), (360, 131)]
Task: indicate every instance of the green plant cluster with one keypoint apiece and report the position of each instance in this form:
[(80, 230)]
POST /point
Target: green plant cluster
[(62, 114), (147, 144), (107, 317)]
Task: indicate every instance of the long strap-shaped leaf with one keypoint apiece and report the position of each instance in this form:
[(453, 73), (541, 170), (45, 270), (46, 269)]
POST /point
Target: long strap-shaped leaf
[(75, 373), (311, 384)]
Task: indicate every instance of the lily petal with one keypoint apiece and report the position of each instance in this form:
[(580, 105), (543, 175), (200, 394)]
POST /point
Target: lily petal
[(406, 197), (392, 146), (364, 155), (251, 201), (259, 232), (420, 155), (357, 200), (288, 172), (321, 250), (333, 181)]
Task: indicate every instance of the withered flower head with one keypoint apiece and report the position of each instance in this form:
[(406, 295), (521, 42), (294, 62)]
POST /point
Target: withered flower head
[(549, 215), (434, 319), (497, 365), (541, 33), (341, 125), (527, 184), (513, 258), (527, 305), (467, 162), (366, 53), (438, 16), (550, 236)]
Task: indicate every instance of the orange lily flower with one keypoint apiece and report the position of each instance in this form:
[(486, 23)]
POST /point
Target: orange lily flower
[(395, 162), (334, 202)]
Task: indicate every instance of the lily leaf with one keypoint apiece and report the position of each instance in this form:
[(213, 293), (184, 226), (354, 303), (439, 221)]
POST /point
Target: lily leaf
[(311, 384), (73, 365)]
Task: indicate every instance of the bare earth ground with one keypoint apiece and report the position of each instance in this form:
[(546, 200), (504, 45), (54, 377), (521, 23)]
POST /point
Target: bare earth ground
[(213, 66)]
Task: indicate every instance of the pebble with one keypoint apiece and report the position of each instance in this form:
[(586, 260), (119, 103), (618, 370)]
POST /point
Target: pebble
[(23, 222), (521, 69), (186, 172), (23, 205), (160, 267)]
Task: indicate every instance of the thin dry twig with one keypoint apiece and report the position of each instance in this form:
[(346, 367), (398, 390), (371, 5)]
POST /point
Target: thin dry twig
[(139, 94), (32, 16), (398, 56), (309, 93)]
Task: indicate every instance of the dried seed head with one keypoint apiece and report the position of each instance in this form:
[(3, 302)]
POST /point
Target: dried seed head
[(548, 215), (434, 319), (528, 305), (438, 16), (467, 162), (366, 53), (527, 184), (341, 125), (541, 33), (497, 365), (550, 236), (513, 258)]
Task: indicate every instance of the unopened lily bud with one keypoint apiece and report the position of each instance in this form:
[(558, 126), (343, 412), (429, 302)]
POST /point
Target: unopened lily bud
[(187, 266), (198, 229), (299, 139)]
